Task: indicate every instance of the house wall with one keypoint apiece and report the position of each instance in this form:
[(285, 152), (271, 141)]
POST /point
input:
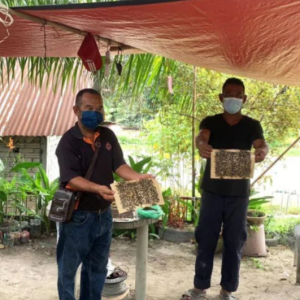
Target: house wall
[(52, 164), (29, 149)]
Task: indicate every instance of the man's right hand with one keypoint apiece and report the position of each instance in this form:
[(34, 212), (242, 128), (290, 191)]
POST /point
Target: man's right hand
[(106, 193), (205, 150)]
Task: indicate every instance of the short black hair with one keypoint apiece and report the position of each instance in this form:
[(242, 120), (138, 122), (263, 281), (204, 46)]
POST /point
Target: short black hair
[(80, 94), (235, 81)]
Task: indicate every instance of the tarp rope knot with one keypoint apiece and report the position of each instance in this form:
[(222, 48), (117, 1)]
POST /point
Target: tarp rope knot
[(6, 19)]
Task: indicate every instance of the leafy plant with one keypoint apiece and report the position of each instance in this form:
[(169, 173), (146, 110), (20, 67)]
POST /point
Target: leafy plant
[(257, 263), (9, 190), (38, 185), (255, 228), (282, 225), (175, 210), (143, 166), (167, 194), (255, 203)]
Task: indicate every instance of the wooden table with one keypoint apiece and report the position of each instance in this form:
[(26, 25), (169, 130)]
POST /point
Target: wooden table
[(142, 226)]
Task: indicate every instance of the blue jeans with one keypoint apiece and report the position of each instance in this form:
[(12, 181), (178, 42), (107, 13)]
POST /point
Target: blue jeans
[(215, 210), (85, 239)]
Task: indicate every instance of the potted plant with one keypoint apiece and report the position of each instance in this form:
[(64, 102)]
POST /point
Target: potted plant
[(173, 227), (256, 243)]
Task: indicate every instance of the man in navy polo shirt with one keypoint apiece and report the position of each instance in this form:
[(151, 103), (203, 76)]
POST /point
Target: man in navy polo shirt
[(86, 238)]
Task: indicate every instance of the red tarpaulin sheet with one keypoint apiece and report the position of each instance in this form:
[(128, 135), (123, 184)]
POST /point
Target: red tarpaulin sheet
[(252, 38)]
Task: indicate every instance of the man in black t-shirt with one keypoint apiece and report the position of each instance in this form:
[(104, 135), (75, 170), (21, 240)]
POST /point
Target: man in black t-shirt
[(86, 238), (224, 201)]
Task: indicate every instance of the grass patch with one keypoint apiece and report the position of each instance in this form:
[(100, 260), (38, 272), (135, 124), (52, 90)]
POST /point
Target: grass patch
[(257, 264), (281, 225)]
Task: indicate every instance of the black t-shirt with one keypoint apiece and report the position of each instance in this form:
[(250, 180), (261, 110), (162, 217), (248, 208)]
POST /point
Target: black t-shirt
[(75, 156), (224, 136)]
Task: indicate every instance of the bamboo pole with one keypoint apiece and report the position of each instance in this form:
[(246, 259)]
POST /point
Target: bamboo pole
[(114, 46), (193, 135), (276, 160)]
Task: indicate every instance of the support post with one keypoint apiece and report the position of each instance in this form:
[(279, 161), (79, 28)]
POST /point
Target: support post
[(141, 263), (193, 136)]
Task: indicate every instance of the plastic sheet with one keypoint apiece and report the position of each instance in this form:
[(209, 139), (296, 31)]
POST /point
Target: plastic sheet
[(252, 38)]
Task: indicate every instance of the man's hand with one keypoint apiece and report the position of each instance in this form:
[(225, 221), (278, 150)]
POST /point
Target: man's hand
[(205, 150), (106, 193), (146, 176), (261, 150), (202, 140), (128, 174), (260, 155)]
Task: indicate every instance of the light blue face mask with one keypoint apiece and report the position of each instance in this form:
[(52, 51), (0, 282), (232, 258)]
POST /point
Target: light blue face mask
[(232, 105)]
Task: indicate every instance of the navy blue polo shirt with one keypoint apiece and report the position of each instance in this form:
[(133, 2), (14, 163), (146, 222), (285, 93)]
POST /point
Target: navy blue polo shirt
[(75, 154)]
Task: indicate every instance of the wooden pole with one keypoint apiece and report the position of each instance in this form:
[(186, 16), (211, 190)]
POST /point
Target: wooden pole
[(112, 44), (276, 160), (193, 135)]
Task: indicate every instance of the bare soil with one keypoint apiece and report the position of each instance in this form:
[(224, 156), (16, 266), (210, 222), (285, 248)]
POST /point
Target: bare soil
[(29, 272)]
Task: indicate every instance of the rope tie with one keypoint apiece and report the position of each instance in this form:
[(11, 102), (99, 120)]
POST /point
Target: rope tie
[(6, 19)]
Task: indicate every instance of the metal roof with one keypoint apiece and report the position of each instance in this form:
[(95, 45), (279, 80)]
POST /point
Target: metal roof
[(28, 110)]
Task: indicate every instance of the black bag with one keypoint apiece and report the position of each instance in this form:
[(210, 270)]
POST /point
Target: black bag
[(64, 200)]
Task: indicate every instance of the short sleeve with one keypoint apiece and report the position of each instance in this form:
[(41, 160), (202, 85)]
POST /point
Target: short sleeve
[(206, 124), (118, 158), (257, 131), (68, 160)]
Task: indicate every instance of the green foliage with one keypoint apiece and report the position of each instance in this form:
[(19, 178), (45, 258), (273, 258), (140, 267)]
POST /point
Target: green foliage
[(22, 185), (201, 176), (176, 209), (282, 225), (167, 194), (43, 189), (255, 228), (24, 165), (257, 263), (256, 202), (142, 166)]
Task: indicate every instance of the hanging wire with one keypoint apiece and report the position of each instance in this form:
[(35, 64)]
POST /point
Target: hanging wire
[(43, 27), (6, 21)]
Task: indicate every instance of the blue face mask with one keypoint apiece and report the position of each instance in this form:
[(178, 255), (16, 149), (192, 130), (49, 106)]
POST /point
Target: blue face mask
[(232, 105), (91, 119)]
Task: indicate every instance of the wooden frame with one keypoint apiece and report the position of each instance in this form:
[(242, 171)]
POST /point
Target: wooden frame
[(213, 165), (135, 195)]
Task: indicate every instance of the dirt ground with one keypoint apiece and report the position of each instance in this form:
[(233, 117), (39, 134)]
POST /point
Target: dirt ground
[(29, 272)]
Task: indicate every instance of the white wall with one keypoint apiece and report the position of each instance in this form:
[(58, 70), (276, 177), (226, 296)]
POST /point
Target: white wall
[(52, 164)]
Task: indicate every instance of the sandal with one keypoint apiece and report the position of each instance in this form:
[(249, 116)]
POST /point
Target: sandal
[(193, 295), (227, 297)]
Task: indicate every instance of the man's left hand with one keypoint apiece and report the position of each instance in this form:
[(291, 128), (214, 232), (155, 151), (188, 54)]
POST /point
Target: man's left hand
[(146, 176), (260, 155)]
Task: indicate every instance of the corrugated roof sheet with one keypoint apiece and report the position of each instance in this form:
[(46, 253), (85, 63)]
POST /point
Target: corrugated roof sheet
[(27, 110)]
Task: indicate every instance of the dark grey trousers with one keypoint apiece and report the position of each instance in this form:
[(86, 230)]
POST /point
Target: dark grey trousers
[(232, 212)]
